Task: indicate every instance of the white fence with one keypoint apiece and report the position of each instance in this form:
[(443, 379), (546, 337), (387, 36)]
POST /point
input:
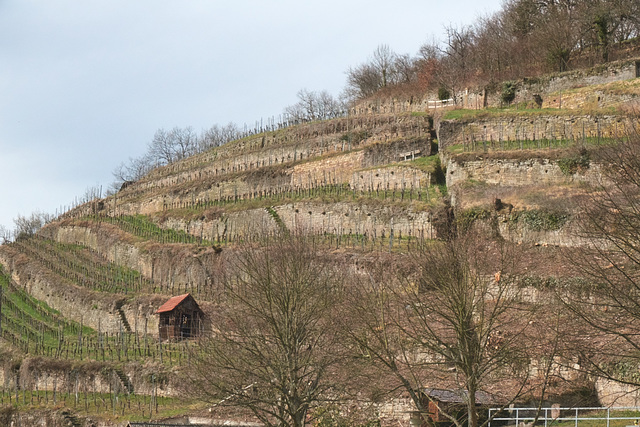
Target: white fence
[(440, 103), (565, 416)]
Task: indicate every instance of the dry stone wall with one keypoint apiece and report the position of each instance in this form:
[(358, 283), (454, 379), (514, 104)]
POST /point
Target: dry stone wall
[(264, 172), (330, 171), (612, 393), (607, 73), (325, 171), (528, 88), (167, 266), (514, 172), (351, 219), (299, 143), (389, 178), (313, 218), (496, 130), (592, 99)]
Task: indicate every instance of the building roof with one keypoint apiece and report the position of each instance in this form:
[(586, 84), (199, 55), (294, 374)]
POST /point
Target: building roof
[(172, 303), (456, 396)]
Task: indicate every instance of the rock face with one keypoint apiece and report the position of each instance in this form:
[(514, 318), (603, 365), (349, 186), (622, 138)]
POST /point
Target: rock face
[(611, 393)]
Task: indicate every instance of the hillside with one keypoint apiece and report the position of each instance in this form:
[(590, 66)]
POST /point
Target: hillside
[(80, 328)]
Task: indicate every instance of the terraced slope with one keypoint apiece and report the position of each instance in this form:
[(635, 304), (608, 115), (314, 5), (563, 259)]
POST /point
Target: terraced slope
[(86, 288)]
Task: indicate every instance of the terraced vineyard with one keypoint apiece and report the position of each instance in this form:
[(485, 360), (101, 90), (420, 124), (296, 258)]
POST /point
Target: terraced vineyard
[(82, 266), (36, 329), (141, 226)]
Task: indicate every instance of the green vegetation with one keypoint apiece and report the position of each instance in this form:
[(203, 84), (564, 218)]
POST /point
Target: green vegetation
[(529, 144), (34, 328), (115, 407), (443, 93), (421, 198), (274, 214), (625, 370), (142, 226), (508, 92), (576, 163), (465, 218), (31, 324), (355, 137), (492, 113), (540, 220), (430, 164), (82, 266)]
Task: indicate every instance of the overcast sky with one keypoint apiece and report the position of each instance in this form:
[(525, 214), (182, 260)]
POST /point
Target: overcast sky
[(84, 84)]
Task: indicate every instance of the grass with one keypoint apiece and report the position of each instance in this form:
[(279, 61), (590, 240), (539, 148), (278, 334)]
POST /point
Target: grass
[(426, 163), (488, 113), (142, 226), (419, 199), (533, 145), (34, 328), (82, 266), (113, 408), (629, 418), (27, 316)]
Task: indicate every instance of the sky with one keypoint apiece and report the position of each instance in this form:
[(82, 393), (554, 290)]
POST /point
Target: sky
[(85, 84)]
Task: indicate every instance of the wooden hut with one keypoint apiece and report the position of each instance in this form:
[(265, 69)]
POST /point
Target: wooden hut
[(180, 317), (453, 402)]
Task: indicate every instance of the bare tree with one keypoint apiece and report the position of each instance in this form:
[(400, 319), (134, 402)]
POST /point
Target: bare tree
[(5, 235), (363, 81), (132, 171), (404, 68), (28, 226), (170, 146), (383, 61), (607, 300), (314, 106), (275, 341), (217, 135), (458, 323), (379, 72)]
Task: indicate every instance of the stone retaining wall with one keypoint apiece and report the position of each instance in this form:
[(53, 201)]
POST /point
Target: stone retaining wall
[(496, 130)]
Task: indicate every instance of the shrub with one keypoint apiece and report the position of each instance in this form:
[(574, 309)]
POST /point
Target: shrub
[(541, 220), (443, 93), (571, 165), (508, 92)]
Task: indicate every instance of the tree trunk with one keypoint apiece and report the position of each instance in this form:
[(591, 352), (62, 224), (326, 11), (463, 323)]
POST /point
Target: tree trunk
[(471, 404)]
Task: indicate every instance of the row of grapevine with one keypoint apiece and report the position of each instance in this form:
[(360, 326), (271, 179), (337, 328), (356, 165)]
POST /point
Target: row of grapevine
[(473, 144), (82, 266), (288, 194), (36, 329), (98, 400), (314, 139), (141, 226)]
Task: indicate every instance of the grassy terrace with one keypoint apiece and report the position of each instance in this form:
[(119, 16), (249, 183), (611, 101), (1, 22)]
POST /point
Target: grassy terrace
[(528, 144), (489, 113), (141, 226), (34, 328), (419, 199), (111, 407), (82, 266)]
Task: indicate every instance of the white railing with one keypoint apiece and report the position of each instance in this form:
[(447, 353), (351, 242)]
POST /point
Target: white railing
[(551, 416), (439, 103)]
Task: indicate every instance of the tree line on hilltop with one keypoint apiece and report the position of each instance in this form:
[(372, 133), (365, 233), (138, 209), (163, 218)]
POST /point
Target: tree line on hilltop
[(524, 38)]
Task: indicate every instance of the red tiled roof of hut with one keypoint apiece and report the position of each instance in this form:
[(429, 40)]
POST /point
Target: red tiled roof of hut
[(172, 303)]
